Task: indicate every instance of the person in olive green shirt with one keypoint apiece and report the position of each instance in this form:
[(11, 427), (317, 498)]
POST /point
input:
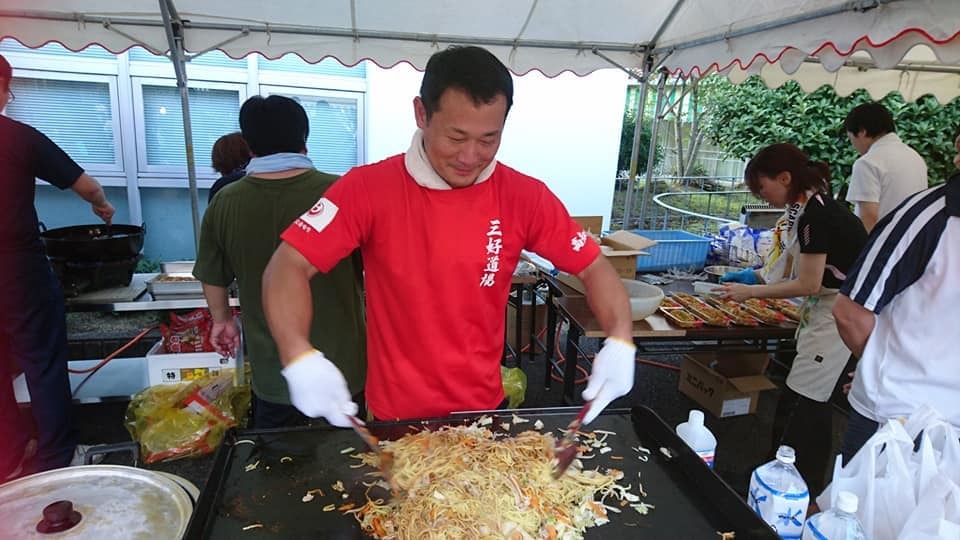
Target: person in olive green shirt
[(240, 231)]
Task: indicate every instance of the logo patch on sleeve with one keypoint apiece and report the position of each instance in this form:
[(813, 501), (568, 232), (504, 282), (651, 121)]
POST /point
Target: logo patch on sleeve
[(321, 214)]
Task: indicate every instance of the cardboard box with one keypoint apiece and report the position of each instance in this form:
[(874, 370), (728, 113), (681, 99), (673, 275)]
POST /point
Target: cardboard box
[(622, 249), (591, 224), (163, 368), (725, 383)]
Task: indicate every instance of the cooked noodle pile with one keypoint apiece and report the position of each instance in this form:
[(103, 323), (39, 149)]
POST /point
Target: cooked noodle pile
[(462, 482)]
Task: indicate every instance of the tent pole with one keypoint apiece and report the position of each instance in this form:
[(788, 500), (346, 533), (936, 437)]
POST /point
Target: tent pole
[(634, 157), (652, 154), (174, 31)]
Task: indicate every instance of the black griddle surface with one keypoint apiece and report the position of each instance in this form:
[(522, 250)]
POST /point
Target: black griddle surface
[(690, 500)]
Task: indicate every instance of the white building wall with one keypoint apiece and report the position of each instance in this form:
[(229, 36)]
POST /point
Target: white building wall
[(564, 131)]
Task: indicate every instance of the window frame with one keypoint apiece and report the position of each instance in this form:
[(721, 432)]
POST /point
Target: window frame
[(358, 96), (171, 175), (116, 169)]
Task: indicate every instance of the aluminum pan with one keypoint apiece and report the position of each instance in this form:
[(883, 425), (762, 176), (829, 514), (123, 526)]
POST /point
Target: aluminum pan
[(116, 502)]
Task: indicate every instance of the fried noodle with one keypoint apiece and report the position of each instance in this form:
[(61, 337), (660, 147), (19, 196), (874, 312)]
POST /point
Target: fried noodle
[(465, 482)]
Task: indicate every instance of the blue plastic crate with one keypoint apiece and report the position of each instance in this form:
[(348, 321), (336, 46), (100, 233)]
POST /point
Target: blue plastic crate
[(674, 249)]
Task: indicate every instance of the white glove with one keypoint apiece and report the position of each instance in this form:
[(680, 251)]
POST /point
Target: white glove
[(612, 375), (317, 388)]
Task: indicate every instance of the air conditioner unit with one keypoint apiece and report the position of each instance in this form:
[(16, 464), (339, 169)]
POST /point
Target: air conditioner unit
[(760, 216)]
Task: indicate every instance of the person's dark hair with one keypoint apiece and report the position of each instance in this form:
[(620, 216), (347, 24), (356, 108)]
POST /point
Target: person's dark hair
[(474, 70), (777, 158), (230, 153), (274, 124), (6, 72), (874, 118)]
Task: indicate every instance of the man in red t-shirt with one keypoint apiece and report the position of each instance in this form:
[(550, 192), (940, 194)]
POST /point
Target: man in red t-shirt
[(440, 229)]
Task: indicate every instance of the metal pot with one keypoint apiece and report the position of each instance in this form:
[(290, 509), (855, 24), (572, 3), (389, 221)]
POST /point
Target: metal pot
[(714, 273), (93, 242), (96, 501)]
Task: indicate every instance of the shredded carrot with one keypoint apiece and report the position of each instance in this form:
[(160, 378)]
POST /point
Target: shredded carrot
[(516, 536), (378, 528), (551, 532), (563, 519), (600, 511)]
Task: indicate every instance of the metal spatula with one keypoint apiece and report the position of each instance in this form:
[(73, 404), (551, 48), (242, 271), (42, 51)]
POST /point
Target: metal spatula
[(385, 458), (566, 449)]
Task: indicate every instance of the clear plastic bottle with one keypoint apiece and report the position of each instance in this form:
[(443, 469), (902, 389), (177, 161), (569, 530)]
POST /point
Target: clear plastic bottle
[(779, 495), (698, 437), (838, 523)]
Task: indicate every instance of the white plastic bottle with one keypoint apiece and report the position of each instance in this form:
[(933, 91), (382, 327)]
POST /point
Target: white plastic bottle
[(838, 523), (698, 437), (779, 495)]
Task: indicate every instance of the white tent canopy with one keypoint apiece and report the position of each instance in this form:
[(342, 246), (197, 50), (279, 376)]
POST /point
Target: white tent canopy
[(684, 36)]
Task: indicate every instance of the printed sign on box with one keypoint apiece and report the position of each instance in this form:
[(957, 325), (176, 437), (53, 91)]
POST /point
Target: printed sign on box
[(725, 383)]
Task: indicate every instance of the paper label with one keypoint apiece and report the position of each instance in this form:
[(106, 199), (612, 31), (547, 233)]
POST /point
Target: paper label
[(707, 457), (735, 407)]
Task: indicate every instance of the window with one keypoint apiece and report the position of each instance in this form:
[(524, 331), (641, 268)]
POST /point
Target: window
[(336, 127), (214, 111), (78, 112)]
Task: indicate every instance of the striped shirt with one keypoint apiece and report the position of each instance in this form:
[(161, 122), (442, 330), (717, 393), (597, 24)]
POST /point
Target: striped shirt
[(909, 276), (899, 250)]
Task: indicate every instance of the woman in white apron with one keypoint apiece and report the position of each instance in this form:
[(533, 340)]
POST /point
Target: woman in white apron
[(814, 243)]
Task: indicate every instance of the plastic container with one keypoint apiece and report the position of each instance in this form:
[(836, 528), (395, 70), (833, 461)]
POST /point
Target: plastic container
[(779, 495), (698, 437), (674, 249), (838, 523)]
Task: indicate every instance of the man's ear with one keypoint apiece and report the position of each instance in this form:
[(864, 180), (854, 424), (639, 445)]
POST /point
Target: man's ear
[(420, 112)]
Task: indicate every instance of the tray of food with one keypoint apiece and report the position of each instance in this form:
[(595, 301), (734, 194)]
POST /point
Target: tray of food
[(705, 312), (680, 317), (484, 474), (734, 310), (174, 284), (670, 303), (788, 308), (758, 308)]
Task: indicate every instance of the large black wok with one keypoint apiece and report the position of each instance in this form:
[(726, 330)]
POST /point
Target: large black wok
[(93, 242)]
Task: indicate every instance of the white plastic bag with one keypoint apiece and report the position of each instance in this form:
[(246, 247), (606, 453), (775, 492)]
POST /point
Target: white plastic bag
[(905, 494)]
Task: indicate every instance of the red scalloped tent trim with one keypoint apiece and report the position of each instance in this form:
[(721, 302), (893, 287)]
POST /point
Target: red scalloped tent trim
[(697, 71)]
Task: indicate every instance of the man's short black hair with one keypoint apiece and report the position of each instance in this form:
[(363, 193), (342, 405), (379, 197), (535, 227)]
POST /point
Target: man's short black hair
[(873, 118), (6, 72), (472, 69), (274, 124)]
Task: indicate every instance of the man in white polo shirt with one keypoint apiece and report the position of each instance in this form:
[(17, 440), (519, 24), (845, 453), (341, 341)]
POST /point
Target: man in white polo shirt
[(888, 171), (896, 312)]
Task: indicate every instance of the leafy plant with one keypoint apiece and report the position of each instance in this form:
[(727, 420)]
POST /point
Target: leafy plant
[(147, 266), (742, 118), (626, 143)]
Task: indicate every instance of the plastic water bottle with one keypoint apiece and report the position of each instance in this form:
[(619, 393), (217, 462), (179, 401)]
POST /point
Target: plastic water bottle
[(838, 523), (698, 437), (779, 495)]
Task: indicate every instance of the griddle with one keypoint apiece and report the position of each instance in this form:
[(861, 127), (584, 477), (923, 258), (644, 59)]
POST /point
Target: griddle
[(690, 500)]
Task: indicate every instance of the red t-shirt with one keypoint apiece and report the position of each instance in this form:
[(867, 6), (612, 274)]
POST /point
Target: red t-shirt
[(437, 267)]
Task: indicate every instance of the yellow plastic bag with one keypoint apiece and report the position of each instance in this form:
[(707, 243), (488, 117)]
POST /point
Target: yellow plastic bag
[(514, 385), (181, 420)]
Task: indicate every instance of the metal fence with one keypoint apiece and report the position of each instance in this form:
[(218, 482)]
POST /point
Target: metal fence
[(698, 204)]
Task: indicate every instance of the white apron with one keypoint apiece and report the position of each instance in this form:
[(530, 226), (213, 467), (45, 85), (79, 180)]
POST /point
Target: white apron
[(821, 354)]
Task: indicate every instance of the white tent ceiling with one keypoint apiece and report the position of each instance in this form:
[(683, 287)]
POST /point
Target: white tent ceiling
[(687, 37)]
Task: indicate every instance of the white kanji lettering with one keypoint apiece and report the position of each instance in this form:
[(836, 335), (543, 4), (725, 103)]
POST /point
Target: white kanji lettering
[(494, 245), (494, 228), (578, 241), (488, 280), (493, 264)]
